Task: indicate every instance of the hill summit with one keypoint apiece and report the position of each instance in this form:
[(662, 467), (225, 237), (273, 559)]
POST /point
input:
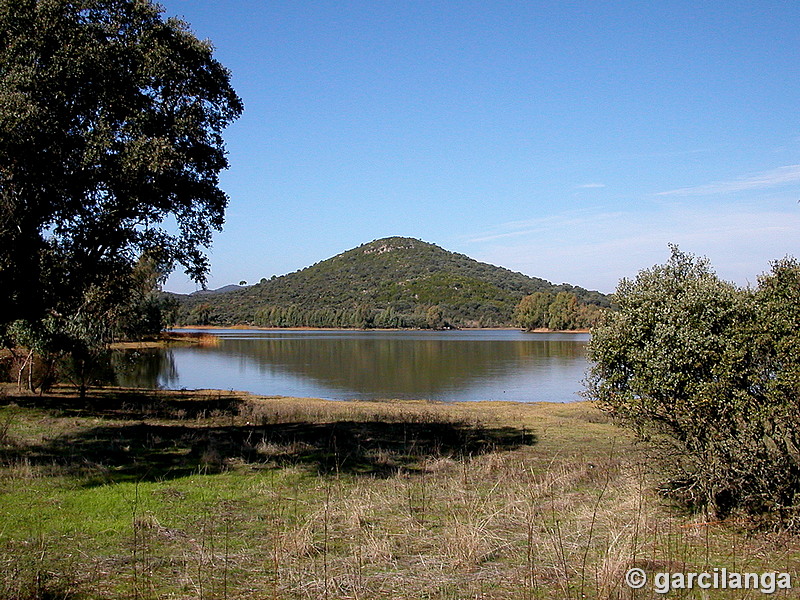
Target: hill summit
[(390, 282)]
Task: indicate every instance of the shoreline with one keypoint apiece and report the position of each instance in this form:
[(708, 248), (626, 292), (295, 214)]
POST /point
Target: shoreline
[(261, 328)]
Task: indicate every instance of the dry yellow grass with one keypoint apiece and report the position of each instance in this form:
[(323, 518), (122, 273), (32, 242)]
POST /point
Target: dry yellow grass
[(225, 495)]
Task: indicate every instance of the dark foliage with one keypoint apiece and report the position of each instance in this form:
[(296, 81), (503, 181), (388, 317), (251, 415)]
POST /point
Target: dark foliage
[(110, 121), (110, 126)]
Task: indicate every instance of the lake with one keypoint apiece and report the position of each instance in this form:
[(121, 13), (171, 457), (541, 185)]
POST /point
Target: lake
[(341, 365)]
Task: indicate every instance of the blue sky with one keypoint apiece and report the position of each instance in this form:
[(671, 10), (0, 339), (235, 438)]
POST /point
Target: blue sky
[(567, 140)]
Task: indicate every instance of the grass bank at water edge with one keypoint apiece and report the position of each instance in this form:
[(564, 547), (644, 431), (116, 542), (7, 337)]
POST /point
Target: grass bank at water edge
[(225, 495)]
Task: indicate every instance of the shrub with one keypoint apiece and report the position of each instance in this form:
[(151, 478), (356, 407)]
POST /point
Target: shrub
[(709, 374)]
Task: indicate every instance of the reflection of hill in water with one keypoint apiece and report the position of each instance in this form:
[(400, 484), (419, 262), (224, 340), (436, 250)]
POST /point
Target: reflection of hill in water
[(366, 365), (412, 367)]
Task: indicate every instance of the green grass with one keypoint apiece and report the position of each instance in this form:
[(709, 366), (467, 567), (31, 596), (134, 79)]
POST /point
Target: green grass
[(223, 495)]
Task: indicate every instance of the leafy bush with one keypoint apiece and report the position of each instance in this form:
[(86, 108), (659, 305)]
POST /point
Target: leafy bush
[(710, 374)]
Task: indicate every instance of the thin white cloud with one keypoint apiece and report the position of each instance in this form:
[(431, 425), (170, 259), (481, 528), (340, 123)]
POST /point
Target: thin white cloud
[(591, 186), (767, 179), (571, 220), (596, 249)]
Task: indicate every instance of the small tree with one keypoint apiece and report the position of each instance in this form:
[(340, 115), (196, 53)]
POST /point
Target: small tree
[(434, 317), (563, 312), (532, 311), (709, 373), (200, 314)]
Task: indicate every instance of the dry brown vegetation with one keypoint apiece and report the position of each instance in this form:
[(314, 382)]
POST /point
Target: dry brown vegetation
[(170, 338), (224, 495)]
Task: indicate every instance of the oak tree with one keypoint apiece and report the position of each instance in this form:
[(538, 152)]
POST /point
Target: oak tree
[(110, 149)]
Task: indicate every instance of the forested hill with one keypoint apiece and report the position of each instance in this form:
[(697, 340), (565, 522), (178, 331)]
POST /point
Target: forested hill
[(391, 282)]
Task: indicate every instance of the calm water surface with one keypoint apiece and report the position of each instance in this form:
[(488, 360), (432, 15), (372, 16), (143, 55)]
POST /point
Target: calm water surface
[(340, 365)]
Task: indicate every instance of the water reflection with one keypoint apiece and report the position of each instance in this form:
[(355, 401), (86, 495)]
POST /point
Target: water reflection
[(145, 368), (484, 365)]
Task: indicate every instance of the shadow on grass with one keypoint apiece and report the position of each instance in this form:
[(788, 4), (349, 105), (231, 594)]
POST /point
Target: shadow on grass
[(200, 436), (132, 405)]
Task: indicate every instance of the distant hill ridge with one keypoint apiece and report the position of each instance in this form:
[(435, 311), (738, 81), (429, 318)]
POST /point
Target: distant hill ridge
[(390, 282), (224, 289)]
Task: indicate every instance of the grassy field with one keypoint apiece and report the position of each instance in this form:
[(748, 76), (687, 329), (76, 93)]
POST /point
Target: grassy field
[(207, 494)]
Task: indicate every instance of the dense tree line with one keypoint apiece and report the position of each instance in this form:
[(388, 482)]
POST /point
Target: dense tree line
[(561, 311), (362, 317), (710, 374), (365, 316)]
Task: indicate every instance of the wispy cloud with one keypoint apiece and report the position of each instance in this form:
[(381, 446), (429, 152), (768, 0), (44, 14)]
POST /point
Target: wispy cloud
[(767, 179), (591, 186), (571, 220), (595, 248)]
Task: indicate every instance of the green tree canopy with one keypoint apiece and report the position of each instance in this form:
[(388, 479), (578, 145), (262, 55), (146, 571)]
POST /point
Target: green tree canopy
[(710, 373), (532, 311), (563, 312), (110, 149), (556, 311)]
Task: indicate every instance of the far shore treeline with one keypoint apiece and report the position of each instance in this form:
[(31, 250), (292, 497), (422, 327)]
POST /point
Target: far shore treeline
[(397, 282)]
